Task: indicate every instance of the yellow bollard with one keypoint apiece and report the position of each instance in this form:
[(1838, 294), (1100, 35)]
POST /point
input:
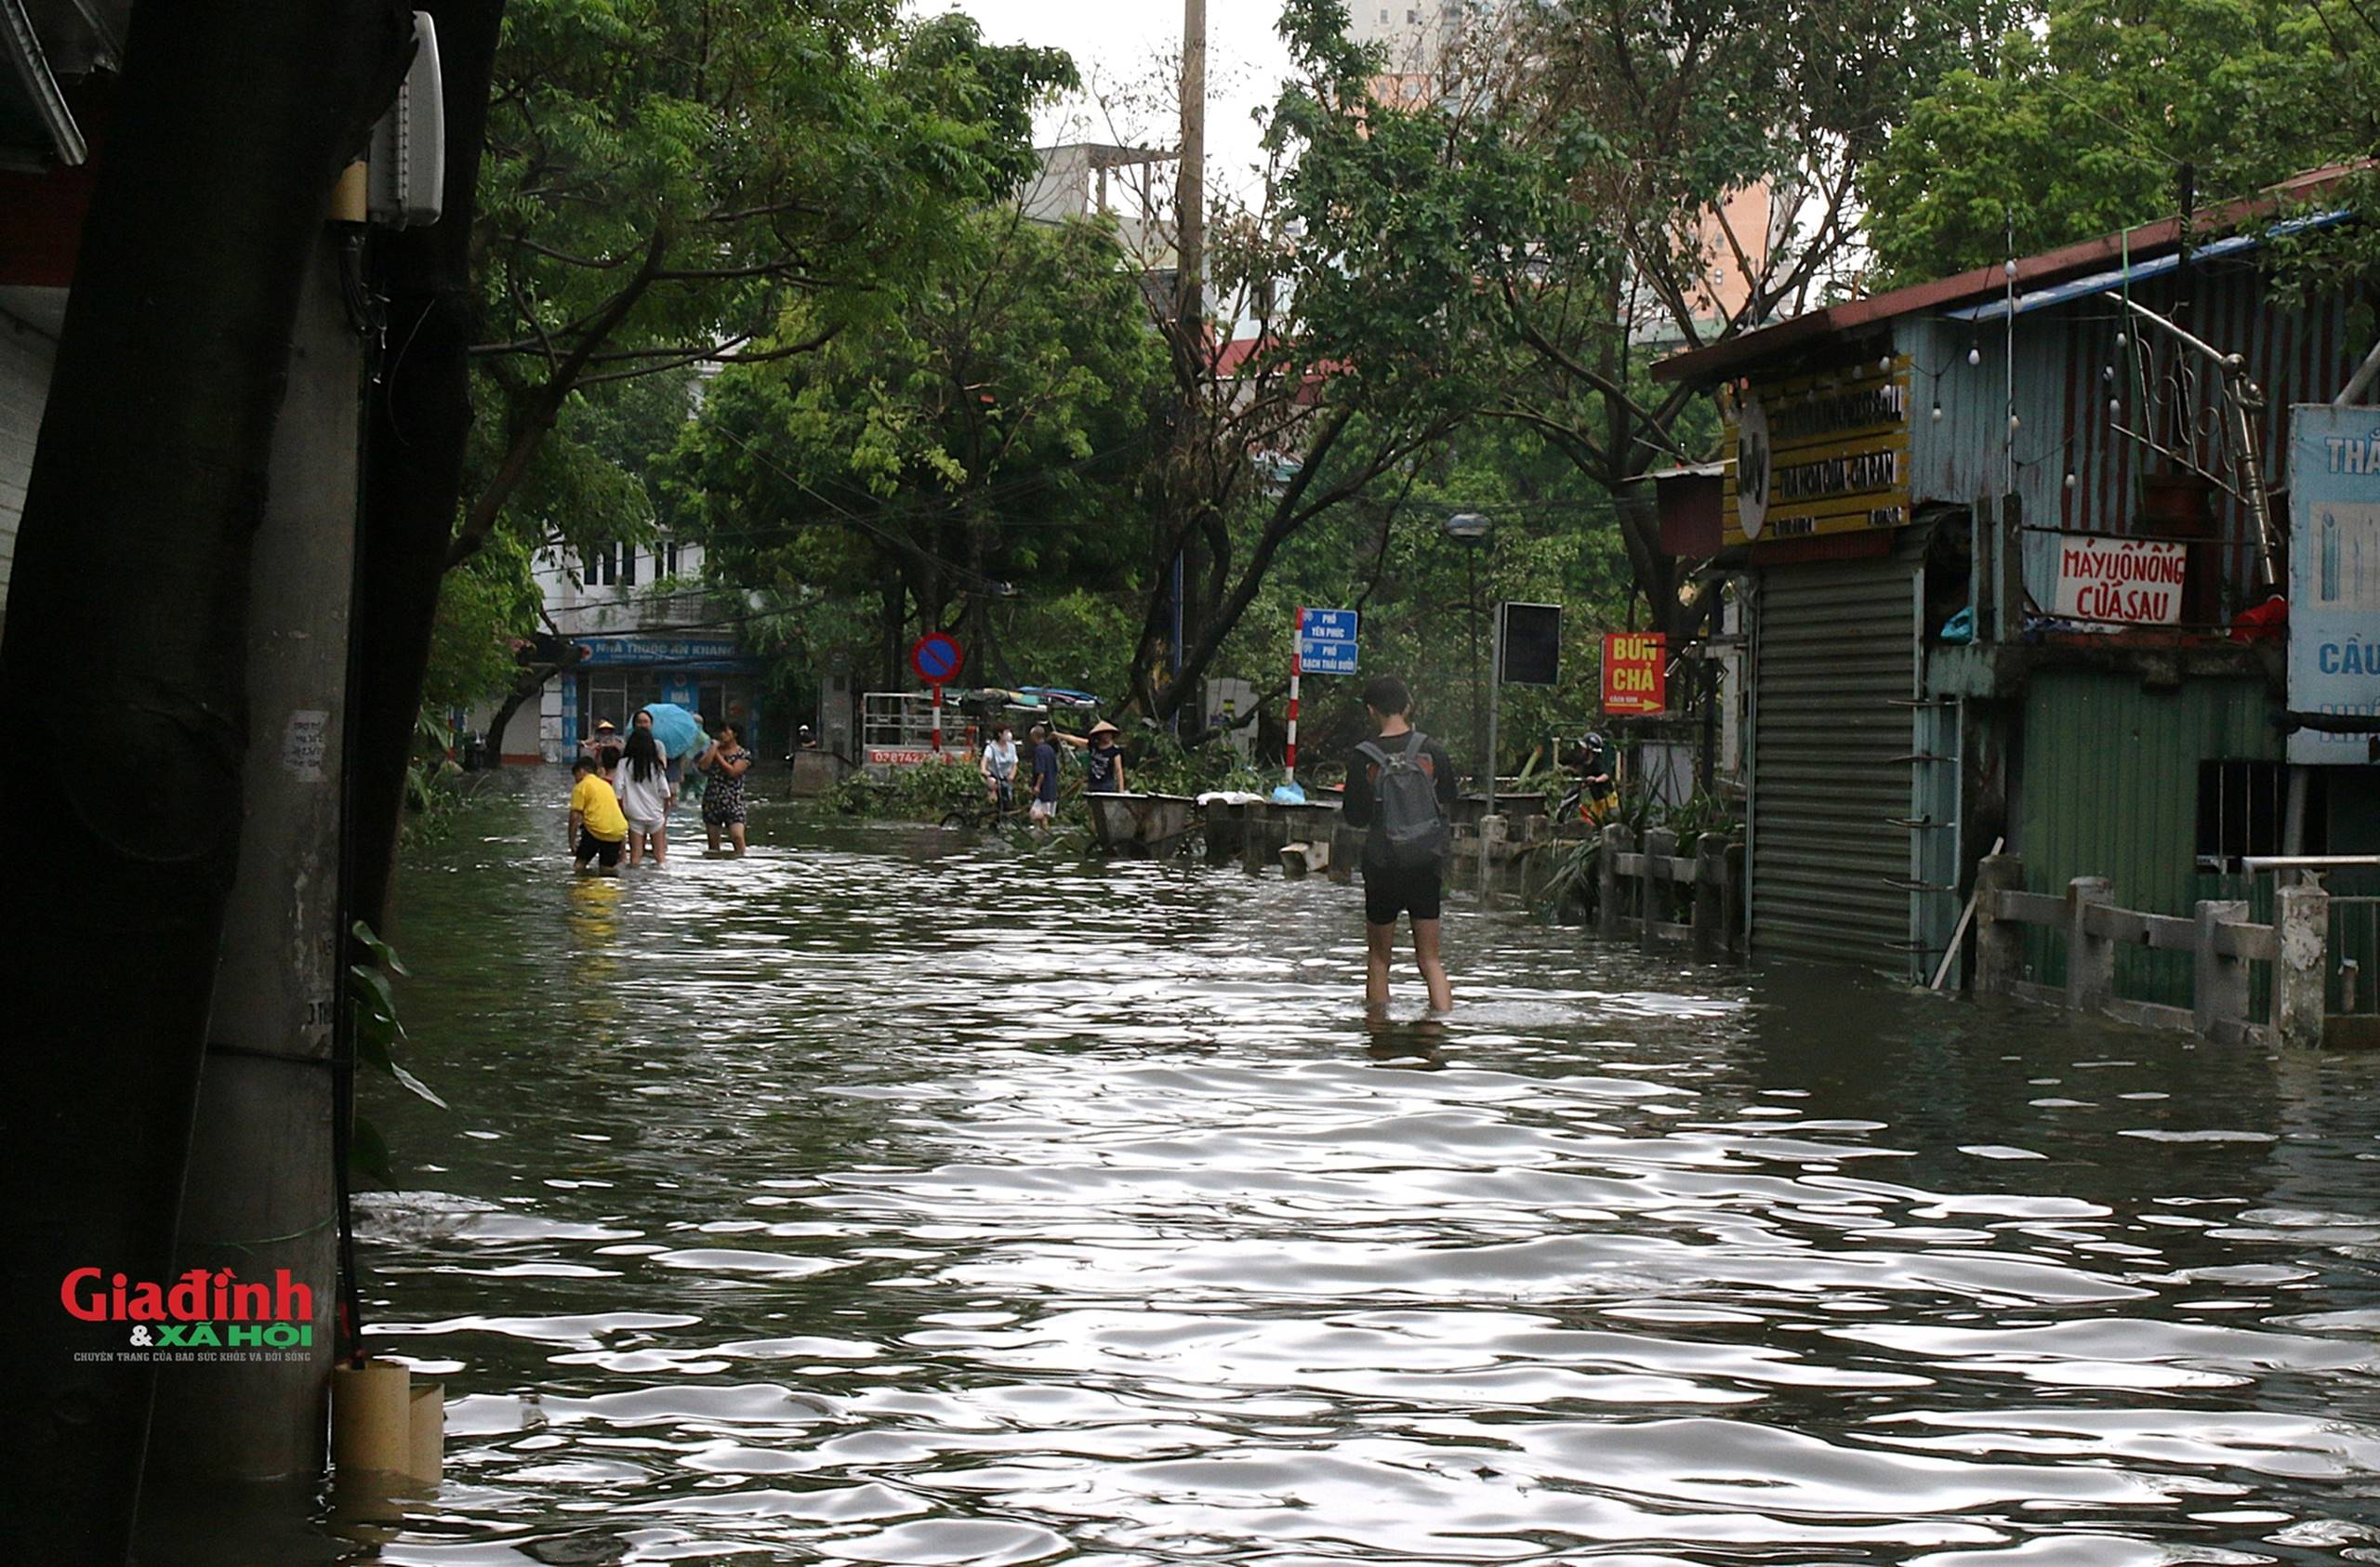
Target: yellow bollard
[(371, 1423)]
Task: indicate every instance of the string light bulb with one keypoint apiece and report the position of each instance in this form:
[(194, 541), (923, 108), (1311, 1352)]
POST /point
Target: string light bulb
[(1974, 356)]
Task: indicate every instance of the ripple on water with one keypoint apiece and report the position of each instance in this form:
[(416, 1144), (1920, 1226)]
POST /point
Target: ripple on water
[(894, 1197)]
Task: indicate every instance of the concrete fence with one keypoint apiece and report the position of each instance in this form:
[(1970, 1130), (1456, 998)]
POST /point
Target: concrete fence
[(1642, 889), (2221, 939)]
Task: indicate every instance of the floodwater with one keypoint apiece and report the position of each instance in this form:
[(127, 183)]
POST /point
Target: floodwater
[(895, 1196)]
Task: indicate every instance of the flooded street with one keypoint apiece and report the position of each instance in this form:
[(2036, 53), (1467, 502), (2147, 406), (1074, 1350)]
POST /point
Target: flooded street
[(895, 1196)]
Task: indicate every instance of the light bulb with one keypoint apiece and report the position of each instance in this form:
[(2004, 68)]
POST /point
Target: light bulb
[(1974, 356), (2013, 421), (2070, 481), (1938, 411)]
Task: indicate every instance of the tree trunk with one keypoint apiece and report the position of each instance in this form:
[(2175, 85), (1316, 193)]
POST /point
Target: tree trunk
[(417, 421), (130, 592), (531, 681)]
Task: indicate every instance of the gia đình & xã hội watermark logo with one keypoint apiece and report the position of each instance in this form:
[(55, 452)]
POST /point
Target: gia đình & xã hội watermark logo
[(203, 1315)]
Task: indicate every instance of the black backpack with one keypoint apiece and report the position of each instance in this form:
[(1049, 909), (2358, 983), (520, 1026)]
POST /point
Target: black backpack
[(1405, 797)]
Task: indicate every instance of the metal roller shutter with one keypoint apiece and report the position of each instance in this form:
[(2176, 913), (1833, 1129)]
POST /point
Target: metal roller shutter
[(1834, 670)]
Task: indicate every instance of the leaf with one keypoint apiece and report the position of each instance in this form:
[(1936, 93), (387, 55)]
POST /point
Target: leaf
[(381, 950), (367, 1151), (375, 1042), (373, 991), (416, 1086)]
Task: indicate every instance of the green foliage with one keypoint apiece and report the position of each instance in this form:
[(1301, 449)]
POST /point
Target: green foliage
[(967, 448), (1575, 876), (378, 1032), (484, 608), (2085, 124), (1423, 594), (924, 793), (1552, 215), (433, 793), (1155, 763), (664, 181)]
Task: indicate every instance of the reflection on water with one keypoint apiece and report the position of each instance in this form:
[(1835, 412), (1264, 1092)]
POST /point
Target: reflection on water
[(893, 1197)]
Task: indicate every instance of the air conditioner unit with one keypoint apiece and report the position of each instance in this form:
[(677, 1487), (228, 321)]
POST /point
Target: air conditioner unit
[(408, 181)]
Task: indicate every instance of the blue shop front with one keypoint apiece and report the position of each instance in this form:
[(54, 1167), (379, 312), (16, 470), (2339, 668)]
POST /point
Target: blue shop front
[(706, 674)]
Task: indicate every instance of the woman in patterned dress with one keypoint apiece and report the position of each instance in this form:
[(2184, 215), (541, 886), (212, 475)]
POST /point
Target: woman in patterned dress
[(724, 764)]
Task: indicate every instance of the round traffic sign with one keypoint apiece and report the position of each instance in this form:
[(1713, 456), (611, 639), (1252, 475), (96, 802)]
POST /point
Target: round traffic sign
[(935, 657)]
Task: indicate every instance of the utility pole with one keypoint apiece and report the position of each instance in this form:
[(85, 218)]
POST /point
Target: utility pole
[(1190, 191), (1189, 306), (259, 1194)]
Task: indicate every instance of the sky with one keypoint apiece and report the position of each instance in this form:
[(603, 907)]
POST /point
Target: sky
[(1125, 48)]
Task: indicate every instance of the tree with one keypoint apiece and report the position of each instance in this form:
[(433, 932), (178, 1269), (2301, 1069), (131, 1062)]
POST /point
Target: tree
[(2099, 121), (976, 437), (230, 125), (661, 180), (664, 181), (1327, 359), (1591, 184)]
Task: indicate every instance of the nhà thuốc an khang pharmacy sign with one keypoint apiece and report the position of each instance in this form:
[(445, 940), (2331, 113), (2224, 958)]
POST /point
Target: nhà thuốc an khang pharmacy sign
[(1819, 454)]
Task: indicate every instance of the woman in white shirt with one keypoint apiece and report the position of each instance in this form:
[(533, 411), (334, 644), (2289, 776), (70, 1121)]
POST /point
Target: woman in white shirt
[(998, 768), (646, 796)]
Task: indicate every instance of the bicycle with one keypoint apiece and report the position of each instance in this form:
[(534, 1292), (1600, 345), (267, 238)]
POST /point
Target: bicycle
[(980, 813)]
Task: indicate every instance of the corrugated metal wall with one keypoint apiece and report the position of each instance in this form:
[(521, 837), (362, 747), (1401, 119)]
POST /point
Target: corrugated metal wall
[(1835, 668), (2294, 353), (2108, 785)]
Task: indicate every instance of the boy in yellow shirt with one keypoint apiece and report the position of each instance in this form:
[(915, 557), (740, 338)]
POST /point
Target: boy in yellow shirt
[(598, 828)]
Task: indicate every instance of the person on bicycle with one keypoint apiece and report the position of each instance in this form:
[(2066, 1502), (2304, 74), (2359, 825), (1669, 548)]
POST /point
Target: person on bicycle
[(998, 768)]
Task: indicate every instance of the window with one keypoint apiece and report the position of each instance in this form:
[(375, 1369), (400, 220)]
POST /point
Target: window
[(1412, 18), (669, 553), (607, 700), (628, 565), (2243, 808), (599, 566)]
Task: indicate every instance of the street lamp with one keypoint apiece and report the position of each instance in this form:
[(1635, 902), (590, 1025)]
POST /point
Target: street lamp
[(1470, 529)]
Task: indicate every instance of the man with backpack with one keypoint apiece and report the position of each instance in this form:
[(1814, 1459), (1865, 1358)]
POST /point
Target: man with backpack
[(1400, 785)]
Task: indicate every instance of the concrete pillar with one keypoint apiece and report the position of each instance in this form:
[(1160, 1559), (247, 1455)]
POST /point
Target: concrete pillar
[(1999, 944), (1617, 841), (259, 1194), (1654, 897), (2302, 923), (2090, 960), (2219, 983), (1494, 832), (1710, 895)]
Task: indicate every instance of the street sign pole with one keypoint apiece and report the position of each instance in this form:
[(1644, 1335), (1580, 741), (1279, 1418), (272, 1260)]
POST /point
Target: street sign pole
[(1494, 703), (936, 657), (1297, 667)]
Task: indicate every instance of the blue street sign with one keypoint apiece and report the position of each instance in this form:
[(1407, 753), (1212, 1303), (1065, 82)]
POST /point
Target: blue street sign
[(1326, 641)]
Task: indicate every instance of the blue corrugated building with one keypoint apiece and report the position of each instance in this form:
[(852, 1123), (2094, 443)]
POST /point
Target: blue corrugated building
[(2010, 542)]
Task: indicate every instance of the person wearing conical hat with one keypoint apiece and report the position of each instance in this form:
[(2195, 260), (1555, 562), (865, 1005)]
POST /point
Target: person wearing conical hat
[(1104, 759)]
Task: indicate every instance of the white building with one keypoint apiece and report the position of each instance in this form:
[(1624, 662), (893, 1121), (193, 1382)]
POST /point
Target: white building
[(646, 631)]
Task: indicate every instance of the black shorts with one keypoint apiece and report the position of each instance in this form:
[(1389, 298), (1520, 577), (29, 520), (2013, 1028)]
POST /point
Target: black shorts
[(606, 852), (1388, 893)]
